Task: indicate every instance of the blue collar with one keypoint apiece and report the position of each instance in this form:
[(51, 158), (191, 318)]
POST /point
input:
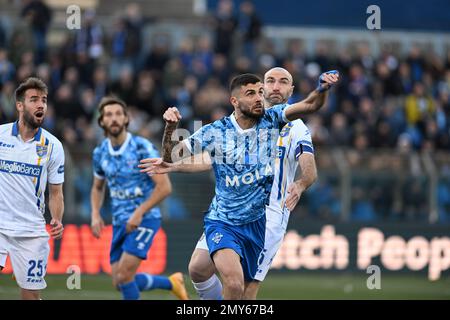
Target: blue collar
[(15, 132)]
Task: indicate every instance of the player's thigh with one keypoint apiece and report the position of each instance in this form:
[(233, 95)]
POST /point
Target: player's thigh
[(228, 263), (128, 264), (224, 246), (138, 242), (3, 251), (251, 290), (201, 267), (118, 239), (29, 257), (114, 272)]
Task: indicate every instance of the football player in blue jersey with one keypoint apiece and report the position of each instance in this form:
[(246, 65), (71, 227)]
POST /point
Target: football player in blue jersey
[(239, 146), (295, 148), (134, 201)]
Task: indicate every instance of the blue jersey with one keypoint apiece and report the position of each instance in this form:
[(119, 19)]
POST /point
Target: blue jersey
[(242, 161), (128, 187)]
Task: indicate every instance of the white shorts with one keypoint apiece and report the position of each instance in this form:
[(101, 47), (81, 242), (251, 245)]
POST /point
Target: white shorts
[(29, 256), (3, 256), (201, 244), (276, 225)]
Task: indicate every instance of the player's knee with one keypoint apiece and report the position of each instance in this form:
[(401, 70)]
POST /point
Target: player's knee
[(250, 293), (123, 276), (236, 286), (249, 296), (199, 273), (30, 294)]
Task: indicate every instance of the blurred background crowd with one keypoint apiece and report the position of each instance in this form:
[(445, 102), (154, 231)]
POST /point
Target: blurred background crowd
[(382, 140)]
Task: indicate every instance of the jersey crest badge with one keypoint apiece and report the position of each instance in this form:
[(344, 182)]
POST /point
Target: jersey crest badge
[(41, 150)]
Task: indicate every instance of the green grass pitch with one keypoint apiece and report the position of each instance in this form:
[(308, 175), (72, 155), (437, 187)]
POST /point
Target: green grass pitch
[(276, 286)]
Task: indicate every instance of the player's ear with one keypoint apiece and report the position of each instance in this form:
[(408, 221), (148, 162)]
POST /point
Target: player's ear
[(234, 101), (19, 105), (100, 121)]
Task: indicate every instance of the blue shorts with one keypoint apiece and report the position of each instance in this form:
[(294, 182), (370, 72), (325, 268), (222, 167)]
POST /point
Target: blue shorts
[(246, 240), (136, 243)]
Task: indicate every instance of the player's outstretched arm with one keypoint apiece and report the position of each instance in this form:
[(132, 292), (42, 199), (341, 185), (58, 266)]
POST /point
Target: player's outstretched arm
[(308, 176), (56, 206), (315, 99), (97, 196), (173, 150), (196, 163)]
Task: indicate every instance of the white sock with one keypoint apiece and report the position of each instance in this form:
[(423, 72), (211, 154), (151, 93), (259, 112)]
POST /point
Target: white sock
[(210, 289)]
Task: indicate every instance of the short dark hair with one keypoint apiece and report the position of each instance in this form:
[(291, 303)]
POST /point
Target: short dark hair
[(108, 100), (243, 80), (29, 83)]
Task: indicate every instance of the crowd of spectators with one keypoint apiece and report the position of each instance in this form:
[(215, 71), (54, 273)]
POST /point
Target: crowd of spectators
[(395, 100)]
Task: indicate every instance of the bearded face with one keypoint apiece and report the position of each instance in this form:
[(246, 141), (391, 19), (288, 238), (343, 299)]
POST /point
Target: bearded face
[(249, 101), (33, 108), (114, 120)]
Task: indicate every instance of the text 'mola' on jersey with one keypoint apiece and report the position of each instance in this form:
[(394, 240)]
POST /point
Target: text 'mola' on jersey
[(243, 164)]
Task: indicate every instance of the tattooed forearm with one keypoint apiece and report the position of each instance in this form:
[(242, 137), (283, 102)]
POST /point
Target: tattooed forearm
[(169, 144)]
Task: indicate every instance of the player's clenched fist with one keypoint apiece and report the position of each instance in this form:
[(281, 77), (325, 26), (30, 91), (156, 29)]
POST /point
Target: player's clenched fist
[(172, 116), (56, 230), (327, 79)]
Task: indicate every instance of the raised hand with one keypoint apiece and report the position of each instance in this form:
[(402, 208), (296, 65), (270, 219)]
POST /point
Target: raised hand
[(172, 116), (327, 79)]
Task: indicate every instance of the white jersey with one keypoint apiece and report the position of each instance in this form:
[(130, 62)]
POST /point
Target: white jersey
[(294, 139), (25, 169)]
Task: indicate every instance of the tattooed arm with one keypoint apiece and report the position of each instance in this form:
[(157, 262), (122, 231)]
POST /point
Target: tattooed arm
[(173, 149)]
